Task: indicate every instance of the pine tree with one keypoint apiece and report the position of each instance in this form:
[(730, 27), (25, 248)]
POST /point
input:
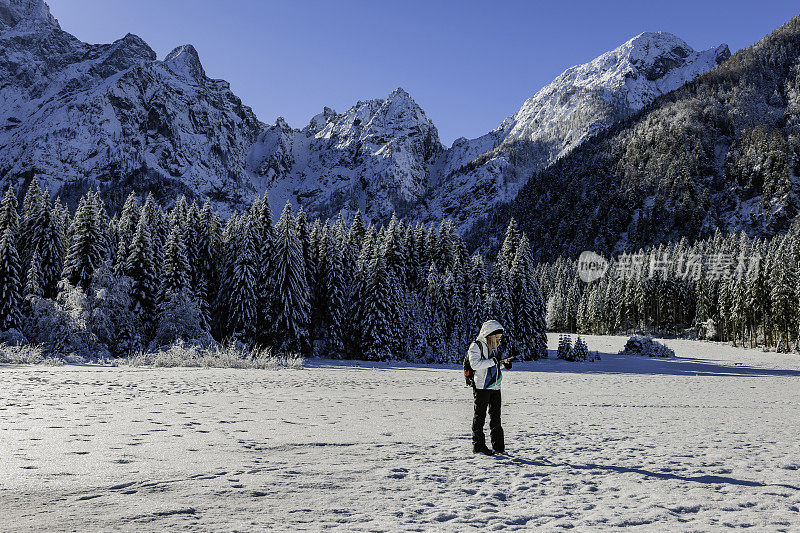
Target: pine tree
[(357, 295), (48, 242), (334, 288), (33, 203), (10, 283), (242, 288), (508, 250), (140, 267), (9, 217), (564, 347), (357, 231), (261, 216), (783, 298), (393, 251), (191, 228), (126, 228), (33, 283), (379, 310), (101, 222), (208, 244), (290, 288), (580, 352), (32, 198), (154, 219), (175, 276), (434, 318), (421, 259), (315, 270), (87, 244), (477, 292)]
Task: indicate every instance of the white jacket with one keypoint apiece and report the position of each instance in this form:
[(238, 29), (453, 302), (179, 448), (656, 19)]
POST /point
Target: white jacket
[(487, 372)]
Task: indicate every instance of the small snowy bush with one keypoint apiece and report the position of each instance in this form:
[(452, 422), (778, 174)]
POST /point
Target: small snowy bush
[(232, 355), (179, 318), (580, 352), (13, 336), (27, 354), (564, 347), (707, 330), (638, 345)]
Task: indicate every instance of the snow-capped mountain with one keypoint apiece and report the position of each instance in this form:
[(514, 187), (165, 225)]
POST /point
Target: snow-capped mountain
[(113, 115), (79, 114), (584, 99), (378, 157), (384, 155)]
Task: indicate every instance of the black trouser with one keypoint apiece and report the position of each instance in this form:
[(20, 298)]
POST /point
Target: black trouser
[(484, 398)]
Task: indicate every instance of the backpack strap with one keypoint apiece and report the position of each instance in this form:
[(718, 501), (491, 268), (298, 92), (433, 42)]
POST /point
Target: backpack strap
[(480, 346)]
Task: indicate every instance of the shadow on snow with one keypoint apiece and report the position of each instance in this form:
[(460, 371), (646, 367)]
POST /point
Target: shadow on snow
[(714, 480), (610, 363)]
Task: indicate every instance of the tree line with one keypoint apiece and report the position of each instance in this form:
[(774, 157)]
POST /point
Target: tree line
[(147, 276), (728, 287)]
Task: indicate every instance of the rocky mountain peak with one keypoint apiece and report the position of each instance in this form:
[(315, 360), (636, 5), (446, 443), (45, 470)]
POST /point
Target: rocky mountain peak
[(319, 120), (184, 61), (14, 12), (655, 54)]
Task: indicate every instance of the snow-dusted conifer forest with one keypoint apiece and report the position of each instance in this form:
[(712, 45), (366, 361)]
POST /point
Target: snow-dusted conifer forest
[(314, 354), (91, 286), (729, 287)]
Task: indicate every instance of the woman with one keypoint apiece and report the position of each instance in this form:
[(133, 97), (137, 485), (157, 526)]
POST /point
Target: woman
[(486, 387)]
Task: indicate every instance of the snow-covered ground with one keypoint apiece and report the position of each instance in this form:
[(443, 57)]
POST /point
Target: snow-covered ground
[(705, 441)]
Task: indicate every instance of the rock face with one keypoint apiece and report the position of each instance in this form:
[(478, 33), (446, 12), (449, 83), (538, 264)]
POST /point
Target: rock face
[(378, 157), (114, 116)]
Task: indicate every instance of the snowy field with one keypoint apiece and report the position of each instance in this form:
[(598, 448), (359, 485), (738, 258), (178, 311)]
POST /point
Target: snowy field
[(706, 441)]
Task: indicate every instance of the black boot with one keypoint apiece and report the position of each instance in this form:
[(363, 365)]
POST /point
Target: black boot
[(482, 449)]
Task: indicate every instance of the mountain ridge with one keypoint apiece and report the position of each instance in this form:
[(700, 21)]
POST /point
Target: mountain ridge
[(113, 116), (721, 153)]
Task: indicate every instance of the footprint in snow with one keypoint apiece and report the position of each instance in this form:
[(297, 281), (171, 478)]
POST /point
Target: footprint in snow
[(398, 473)]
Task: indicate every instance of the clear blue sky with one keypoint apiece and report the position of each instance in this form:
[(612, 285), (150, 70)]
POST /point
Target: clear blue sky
[(467, 64)]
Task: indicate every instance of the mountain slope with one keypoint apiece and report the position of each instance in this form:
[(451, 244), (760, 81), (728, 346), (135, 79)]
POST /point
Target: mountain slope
[(582, 101), (721, 152), (112, 115)]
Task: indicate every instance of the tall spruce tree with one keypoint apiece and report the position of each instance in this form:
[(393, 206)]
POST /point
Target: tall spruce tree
[(48, 244), (126, 228), (33, 280), (9, 217), (379, 310), (290, 288), (87, 244), (242, 287), (264, 242), (175, 277), (436, 347), (334, 288), (783, 296), (508, 250), (10, 282), (141, 268), (33, 203)]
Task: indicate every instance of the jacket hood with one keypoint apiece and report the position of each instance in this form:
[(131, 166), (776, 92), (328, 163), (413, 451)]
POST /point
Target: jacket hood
[(489, 327)]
